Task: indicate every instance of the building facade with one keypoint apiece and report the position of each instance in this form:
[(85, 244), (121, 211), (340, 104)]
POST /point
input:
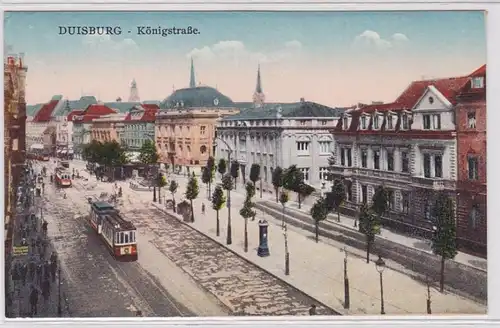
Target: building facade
[(280, 135), (37, 127), (409, 146), (107, 128), (139, 126), (471, 148)]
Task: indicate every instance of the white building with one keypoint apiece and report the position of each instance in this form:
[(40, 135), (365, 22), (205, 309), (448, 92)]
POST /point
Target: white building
[(280, 135)]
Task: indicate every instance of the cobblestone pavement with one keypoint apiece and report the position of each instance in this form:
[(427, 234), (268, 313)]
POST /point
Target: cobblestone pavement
[(240, 285), (99, 285)]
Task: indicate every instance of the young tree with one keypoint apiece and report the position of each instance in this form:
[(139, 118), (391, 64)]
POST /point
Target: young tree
[(319, 212), (227, 184), (369, 226), (211, 173), (380, 201), (336, 197), (222, 167), (235, 171), (304, 190), (247, 210), (283, 200), (444, 237), (161, 182), (205, 178), (192, 192), (293, 180), (218, 201), (173, 189), (277, 180), (149, 156), (255, 175)]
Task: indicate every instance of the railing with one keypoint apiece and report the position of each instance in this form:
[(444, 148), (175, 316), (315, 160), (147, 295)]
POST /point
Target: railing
[(437, 184)]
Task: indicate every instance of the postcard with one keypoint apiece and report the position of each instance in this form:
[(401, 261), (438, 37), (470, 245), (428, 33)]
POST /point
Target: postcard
[(214, 164)]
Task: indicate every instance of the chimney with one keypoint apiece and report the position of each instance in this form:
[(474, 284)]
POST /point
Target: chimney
[(302, 100)]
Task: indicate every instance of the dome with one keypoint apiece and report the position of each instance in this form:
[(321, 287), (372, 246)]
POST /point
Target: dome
[(197, 97)]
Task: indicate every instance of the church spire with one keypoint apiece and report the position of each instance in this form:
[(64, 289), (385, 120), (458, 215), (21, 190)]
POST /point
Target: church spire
[(258, 95), (134, 93), (258, 88), (192, 81)]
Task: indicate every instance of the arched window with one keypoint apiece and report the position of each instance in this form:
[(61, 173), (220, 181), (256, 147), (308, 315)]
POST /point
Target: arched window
[(203, 149)]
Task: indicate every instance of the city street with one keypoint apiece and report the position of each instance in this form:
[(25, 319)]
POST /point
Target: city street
[(97, 284)]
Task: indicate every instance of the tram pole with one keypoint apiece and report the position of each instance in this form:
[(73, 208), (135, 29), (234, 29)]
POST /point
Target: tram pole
[(59, 309)]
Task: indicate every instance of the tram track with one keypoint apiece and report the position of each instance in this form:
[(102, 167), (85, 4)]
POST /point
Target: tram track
[(147, 294)]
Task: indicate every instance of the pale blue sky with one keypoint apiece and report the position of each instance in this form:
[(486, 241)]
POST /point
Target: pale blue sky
[(314, 52)]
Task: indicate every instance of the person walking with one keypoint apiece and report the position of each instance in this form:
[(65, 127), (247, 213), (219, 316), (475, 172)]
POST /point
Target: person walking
[(46, 289), (312, 310), (34, 301), (24, 273), (203, 208)]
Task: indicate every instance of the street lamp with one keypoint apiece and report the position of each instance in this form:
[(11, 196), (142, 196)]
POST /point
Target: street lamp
[(59, 307), (287, 254), (347, 298), (380, 266), (229, 238)]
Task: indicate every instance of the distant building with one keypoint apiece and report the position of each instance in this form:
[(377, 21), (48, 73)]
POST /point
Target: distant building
[(280, 135), (134, 93), (185, 125), (258, 97), (139, 126), (107, 128), (471, 149)]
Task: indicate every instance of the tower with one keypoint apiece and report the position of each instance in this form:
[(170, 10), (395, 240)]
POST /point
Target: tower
[(134, 93), (258, 95), (192, 80)]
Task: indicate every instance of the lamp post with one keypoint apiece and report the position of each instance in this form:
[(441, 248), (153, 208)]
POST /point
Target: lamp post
[(347, 298), (229, 238), (287, 254), (59, 307), (380, 266), (429, 310)]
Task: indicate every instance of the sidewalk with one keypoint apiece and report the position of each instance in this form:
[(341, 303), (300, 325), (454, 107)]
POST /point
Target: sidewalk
[(317, 268)]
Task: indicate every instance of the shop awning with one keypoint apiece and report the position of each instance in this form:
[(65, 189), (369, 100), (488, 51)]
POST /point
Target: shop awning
[(133, 156)]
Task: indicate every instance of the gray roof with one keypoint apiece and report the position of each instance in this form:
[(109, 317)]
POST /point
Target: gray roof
[(298, 109), (79, 104), (31, 110), (202, 96)]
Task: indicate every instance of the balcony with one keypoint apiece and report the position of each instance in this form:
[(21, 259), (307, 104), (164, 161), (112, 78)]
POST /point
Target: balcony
[(385, 175), (433, 183), (342, 170)]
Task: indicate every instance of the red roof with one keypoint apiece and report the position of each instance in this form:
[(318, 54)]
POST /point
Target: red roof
[(474, 93), (45, 112), (143, 113), (91, 112), (150, 106), (481, 71)]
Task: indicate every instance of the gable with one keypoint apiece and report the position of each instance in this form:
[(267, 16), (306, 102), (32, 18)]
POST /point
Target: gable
[(432, 99)]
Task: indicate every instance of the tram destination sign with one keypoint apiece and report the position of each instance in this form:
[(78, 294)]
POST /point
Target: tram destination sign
[(20, 250)]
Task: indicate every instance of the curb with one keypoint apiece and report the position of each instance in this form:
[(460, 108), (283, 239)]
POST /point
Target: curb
[(250, 262)]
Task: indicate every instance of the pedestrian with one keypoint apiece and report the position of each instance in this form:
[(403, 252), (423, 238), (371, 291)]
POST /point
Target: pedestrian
[(24, 273), (53, 270), (312, 310), (44, 227), (32, 269), (203, 208), (46, 289), (138, 313), (43, 187), (46, 270), (39, 272), (34, 300)]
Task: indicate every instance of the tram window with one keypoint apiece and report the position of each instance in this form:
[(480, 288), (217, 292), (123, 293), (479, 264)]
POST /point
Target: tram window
[(121, 237), (126, 238), (116, 237), (132, 237)]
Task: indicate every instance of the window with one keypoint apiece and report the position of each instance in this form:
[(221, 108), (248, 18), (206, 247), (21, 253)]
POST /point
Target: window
[(348, 189), (203, 149), (342, 157), (323, 174), (427, 122), (363, 122), (438, 166), (349, 157), (474, 216), (427, 165), (405, 202), (126, 237), (345, 157), (303, 146), (345, 123), (305, 173), (302, 123), (391, 204), (478, 82), (471, 120), (364, 158), (376, 159), (436, 121), (265, 173), (389, 122), (427, 210), (375, 121), (364, 194), (324, 147), (390, 160), (473, 162), (324, 122), (203, 129)]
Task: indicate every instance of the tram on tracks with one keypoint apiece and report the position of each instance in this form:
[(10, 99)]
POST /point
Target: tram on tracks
[(118, 234), (63, 178)]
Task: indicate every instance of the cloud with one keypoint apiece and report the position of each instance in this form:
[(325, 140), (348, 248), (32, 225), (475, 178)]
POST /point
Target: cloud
[(371, 39), (102, 42), (237, 51)]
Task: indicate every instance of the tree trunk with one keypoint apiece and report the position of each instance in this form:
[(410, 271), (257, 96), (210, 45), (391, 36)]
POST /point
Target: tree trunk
[(276, 192), (192, 210), (368, 247), (246, 235), (441, 279), (300, 201), (217, 227), (209, 189), (173, 199), (235, 184), (316, 228), (338, 214)]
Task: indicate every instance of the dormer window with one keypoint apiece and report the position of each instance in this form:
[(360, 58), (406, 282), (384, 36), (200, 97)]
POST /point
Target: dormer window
[(376, 122), (390, 121), (363, 122), (345, 123), (405, 121), (477, 82)]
